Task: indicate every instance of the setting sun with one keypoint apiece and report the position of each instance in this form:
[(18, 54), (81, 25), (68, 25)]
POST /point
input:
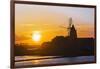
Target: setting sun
[(36, 36)]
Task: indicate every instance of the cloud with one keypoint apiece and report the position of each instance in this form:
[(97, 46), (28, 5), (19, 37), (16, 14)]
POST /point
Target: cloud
[(21, 38)]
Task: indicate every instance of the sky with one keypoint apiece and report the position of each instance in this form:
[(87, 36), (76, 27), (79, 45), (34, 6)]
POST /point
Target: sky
[(49, 21)]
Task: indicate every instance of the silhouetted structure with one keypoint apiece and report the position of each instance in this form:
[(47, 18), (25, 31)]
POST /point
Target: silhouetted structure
[(63, 46), (69, 45), (72, 33)]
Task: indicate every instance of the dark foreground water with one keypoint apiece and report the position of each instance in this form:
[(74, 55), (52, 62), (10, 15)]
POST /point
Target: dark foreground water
[(21, 61)]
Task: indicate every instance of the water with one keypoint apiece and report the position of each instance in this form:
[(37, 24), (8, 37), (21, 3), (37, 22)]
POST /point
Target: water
[(21, 61)]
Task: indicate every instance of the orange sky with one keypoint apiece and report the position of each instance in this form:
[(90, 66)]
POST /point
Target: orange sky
[(48, 19)]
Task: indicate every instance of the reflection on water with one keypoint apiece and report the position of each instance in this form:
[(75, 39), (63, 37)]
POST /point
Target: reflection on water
[(45, 60), (36, 62)]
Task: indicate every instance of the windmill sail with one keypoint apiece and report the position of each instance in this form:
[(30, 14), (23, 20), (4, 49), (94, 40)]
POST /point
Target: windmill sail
[(69, 27)]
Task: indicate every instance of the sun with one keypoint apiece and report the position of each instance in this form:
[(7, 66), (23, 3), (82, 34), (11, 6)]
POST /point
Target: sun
[(36, 36)]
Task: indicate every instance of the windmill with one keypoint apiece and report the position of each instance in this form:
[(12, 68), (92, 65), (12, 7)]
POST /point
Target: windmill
[(69, 26)]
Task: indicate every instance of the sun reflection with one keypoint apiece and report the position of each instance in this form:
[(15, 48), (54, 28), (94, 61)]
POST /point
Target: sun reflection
[(35, 61)]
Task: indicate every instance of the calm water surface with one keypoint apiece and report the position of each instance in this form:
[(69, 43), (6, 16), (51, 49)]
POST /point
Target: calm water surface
[(21, 61)]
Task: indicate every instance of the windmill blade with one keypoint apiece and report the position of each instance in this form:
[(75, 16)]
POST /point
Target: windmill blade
[(70, 22), (62, 27)]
